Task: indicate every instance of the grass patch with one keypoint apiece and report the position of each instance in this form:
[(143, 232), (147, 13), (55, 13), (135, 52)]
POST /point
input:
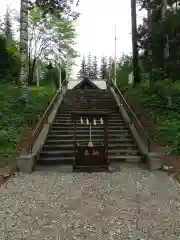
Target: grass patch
[(153, 105), (15, 117)]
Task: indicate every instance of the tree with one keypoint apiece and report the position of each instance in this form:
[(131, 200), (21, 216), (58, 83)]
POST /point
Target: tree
[(57, 7), (110, 67), (49, 38), (54, 7), (165, 44), (24, 51), (124, 68), (166, 37), (89, 66), (95, 68), (104, 68), (3, 59), (9, 48), (8, 32), (134, 43), (82, 72)]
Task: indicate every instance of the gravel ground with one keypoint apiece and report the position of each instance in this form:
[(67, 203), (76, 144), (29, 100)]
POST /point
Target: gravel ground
[(130, 204)]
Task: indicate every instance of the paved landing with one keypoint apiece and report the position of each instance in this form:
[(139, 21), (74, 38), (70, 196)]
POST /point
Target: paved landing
[(130, 204)]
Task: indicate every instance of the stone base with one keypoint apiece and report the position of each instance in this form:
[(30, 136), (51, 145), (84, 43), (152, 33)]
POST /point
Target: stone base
[(153, 162), (1, 179), (25, 163)]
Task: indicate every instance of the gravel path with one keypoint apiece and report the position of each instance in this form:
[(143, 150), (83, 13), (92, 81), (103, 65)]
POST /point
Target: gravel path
[(130, 204)]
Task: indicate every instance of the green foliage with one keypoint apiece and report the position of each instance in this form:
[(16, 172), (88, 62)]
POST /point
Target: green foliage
[(111, 68), (103, 68), (8, 29), (155, 43), (9, 61), (124, 68), (83, 72), (4, 64), (49, 32), (89, 68), (52, 76), (14, 117), (153, 104), (95, 68), (55, 37), (57, 8)]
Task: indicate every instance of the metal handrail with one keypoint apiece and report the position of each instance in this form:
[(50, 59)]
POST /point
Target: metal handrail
[(134, 120), (44, 119)]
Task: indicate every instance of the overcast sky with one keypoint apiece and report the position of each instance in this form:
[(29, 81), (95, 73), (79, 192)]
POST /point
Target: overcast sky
[(96, 26)]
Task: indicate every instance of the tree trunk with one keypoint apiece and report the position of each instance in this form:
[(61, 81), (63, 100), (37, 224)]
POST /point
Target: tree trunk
[(32, 67), (166, 51), (136, 72), (37, 73), (24, 51), (29, 68), (149, 13), (166, 40)]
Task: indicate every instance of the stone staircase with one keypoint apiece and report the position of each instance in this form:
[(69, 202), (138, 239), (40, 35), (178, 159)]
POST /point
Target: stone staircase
[(59, 145)]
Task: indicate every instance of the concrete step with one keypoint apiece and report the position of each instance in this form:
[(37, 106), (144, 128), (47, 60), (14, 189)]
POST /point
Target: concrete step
[(86, 104), (70, 152), (88, 95), (87, 99), (67, 113), (77, 109), (81, 141), (64, 117), (56, 147), (105, 110), (126, 158), (69, 120), (86, 109), (78, 122), (90, 104), (86, 131), (85, 135), (92, 99), (49, 160), (86, 127), (89, 92), (81, 96)]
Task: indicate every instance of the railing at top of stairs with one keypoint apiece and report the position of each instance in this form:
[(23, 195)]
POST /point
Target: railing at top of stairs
[(134, 121), (45, 116)]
